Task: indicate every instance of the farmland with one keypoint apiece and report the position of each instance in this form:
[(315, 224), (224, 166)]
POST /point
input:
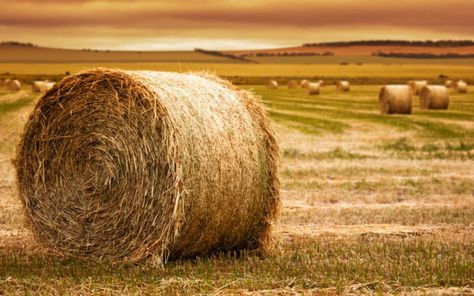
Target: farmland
[(371, 203)]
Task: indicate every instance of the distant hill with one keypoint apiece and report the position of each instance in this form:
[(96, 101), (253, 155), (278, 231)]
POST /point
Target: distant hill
[(16, 52), (415, 49), (427, 43)]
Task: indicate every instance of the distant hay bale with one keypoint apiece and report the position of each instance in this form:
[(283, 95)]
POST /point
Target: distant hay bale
[(128, 165), (460, 87), (321, 83), (41, 86), (313, 88), (272, 84), (434, 97), (292, 84), (304, 83), (417, 86), (343, 86), (395, 99), (448, 83), (12, 85)]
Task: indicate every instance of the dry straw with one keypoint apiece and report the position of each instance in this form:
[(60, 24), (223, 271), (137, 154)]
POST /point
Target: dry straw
[(395, 99), (127, 165), (292, 84), (460, 87), (434, 97), (313, 88), (41, 86), (417, 86), (343, 86), (12, 85), (448, 83), (272, 84), (304, 83)]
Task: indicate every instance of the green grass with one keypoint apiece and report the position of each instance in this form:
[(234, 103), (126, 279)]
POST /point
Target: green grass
[(334, 112), (388, 262), (15, 105)]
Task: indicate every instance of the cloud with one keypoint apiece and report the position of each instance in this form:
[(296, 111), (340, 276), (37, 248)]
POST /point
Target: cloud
[(273, 21)]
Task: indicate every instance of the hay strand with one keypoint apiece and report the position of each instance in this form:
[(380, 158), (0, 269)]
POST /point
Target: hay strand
[(126, 165), (395, 99)]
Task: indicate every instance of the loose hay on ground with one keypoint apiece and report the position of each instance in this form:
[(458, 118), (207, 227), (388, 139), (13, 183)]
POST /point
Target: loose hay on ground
[(125, 165)]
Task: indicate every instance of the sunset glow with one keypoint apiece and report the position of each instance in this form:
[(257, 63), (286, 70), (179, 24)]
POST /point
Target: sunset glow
[(228, 24)]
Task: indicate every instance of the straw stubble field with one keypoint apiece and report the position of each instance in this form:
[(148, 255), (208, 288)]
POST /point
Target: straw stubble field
[(371, 202)]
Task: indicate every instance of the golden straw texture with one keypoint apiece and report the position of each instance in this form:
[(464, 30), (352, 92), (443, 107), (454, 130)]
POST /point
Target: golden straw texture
[(395, 99), (127, 165)]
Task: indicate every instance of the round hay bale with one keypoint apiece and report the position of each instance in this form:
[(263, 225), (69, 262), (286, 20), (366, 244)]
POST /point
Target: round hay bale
[(13, 85), (292, 84), (125, 165), (41, 86), (321, 83), (343, 86), (272, 84), (460, 87), (395, 99), (417, 86), (434, 97), (313, 88), (448, 83), (304, 83)]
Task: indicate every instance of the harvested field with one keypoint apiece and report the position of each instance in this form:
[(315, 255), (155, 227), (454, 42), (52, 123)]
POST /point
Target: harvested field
[(371, 203)]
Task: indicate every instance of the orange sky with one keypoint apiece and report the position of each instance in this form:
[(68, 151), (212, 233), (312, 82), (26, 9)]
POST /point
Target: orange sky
[(228, 24)]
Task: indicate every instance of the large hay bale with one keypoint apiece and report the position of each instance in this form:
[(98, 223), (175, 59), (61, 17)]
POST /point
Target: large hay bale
[(292, 84), (41, 86), (395, 99), (417, 86), (272, 84), (460, 87), (125, 165), (313, 88), (343, 86), (12, 85), (434, 97), (304, 83)]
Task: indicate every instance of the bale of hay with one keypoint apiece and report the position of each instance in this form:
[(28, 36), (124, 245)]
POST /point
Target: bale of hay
[(128, 165), (460, 87), (321, 83), (417, 86), (272, 84), (292, 84), (313, 88), (12, 85), (41, 86), (343, 86), (395, 99), (304, 83), (434, 97), (448, 83)]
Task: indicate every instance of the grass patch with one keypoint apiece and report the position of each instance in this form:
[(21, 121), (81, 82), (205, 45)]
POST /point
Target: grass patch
[(15, 105), (300, 263)]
